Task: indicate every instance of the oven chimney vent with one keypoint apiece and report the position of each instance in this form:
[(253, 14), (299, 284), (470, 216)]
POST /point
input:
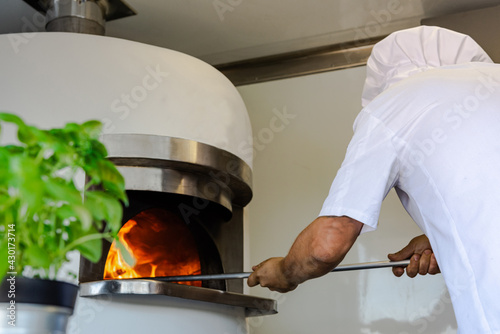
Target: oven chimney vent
[(80, 16), (85, 17)]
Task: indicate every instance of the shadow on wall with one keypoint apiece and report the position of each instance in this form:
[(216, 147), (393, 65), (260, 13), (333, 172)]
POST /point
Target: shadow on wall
[(441, 316)]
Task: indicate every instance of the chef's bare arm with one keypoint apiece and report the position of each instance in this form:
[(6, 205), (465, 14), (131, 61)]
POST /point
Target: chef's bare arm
[(318, 249)]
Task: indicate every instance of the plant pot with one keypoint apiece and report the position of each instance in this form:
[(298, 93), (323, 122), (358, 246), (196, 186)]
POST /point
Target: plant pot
[(35, 306)]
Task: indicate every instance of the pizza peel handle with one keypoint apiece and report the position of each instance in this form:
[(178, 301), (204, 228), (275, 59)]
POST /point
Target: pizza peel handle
[(345, 267)]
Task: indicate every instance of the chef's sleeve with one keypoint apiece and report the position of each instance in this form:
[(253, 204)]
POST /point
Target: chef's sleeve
[(369, 171)]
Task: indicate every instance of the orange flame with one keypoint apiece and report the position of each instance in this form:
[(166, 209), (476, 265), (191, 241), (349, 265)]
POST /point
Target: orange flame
[(161, 244)]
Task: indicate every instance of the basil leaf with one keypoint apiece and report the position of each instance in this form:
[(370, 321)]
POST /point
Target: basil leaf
[(4, 265), (63, 191), (91, 249), (92, 128), (127, 256), (36, 256)]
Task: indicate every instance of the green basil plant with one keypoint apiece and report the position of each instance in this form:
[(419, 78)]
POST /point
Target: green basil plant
[(44, 214)]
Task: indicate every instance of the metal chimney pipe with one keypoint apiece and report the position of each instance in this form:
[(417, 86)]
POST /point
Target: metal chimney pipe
[(79, 16)]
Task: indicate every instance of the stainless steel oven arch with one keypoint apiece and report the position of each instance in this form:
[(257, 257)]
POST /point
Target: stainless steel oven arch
[(181, 166)]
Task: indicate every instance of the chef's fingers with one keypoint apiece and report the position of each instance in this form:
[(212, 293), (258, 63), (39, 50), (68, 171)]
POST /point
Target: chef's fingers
[(398, 271), (253, 280), (423, 264), (425, 261), (413, 267), (433, 266), (403, 254)]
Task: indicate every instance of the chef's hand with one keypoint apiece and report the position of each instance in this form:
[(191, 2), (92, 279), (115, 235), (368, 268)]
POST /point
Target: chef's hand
[(422, 259), (269, 274)]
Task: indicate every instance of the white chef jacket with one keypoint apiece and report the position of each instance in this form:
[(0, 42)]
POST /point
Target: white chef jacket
[(435, 137)]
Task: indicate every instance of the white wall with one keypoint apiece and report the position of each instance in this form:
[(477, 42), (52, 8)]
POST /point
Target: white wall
[(296, 158)]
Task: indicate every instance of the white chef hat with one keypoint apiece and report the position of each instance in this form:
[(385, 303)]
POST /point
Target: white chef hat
[(407, 52)]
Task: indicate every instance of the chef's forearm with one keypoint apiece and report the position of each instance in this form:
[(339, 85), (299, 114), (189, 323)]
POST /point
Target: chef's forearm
[(320, 248)]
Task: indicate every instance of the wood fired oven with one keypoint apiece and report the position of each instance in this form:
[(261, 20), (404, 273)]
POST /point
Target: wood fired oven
[(185, 217), (181, 136)]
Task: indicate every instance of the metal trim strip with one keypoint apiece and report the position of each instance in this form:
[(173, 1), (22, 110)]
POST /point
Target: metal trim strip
[(211, 165), (299, 63), (254, 306)]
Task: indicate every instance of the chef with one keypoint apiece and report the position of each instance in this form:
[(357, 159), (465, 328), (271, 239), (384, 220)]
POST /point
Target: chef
[(430, 128)]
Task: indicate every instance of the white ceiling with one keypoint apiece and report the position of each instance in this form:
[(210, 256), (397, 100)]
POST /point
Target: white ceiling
[(222, 31)]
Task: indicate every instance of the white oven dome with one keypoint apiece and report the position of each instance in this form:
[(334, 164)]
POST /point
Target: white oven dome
[(53, 78)]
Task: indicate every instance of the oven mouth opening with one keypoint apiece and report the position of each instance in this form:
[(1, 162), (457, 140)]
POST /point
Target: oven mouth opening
[(160, 243), (167, 237)]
